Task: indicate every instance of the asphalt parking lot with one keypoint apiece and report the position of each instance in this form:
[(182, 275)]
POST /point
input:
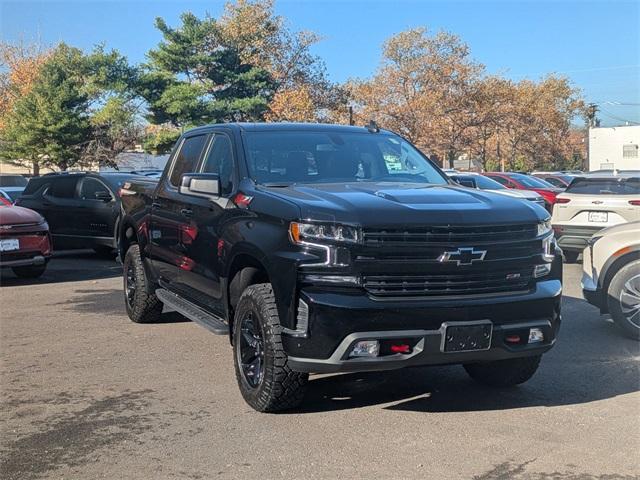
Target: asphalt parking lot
[(88, 394)]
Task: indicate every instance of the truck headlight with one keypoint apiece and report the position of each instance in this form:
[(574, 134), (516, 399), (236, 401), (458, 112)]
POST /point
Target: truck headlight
[(305, 232), (548, 248), (544, 227)]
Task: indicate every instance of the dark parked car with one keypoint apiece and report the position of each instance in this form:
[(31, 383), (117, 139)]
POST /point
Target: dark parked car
[(522, 181), (327, 248), (25, 243), (82, 209), (557, 179)]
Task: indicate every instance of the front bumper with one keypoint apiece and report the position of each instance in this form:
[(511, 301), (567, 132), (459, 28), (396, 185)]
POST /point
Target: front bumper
[(573, 238), (339, 319)]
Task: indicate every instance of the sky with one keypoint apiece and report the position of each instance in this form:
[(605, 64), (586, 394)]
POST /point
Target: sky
[(594, 43)]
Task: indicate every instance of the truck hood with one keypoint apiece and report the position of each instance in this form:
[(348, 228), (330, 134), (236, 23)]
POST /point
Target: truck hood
[(384, 203)]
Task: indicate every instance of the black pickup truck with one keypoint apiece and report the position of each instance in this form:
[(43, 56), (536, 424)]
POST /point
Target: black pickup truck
[(326, 248)]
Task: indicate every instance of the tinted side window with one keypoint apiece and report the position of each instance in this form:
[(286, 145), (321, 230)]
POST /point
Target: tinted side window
[(91, 186), (64, 187), (220, 160), (555, 182), (187, 158), (501, 180)]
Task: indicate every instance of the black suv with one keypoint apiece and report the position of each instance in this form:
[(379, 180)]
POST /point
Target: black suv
[(82, 209), (326, 248)]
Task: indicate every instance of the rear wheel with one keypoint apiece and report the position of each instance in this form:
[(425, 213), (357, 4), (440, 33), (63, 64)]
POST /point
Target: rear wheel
[(141, 302), (504, 373), (266, 382), (30, 271), (623, 299), (571, 257)]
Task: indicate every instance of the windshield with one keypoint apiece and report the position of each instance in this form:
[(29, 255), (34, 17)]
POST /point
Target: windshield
[(285, 157), (529, 181)]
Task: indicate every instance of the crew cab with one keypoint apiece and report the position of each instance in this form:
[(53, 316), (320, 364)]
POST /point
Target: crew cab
[(330, 248)]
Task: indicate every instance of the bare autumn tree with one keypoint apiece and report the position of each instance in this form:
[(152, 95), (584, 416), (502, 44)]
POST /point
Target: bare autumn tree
[(423, 90), (302, 91), (429, 89), (20, 65)]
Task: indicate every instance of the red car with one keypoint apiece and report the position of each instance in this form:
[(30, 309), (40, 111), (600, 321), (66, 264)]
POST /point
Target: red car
[(520, 181), (25, 242)]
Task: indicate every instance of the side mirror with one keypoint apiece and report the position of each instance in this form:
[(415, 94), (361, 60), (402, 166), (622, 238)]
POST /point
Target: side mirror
[(103, 196), (206, 185)]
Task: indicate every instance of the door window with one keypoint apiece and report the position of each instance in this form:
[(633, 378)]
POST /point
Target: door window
[(64, 187), (187, 158), (501, 180), (90, 187), (220, 160)]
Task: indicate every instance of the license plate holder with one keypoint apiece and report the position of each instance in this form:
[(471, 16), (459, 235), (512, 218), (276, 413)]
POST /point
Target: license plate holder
[(466, 336), (9, 245), (598, 217)]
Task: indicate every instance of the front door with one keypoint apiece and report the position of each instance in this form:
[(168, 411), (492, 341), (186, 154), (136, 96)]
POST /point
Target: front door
[(98, 210), (202, 245), (170, 226)]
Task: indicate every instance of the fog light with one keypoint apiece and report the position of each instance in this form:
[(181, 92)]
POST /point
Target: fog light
[(536, 335), (365, 348), (542, 270)]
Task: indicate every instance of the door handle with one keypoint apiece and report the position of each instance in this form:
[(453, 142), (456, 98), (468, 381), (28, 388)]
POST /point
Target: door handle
[(156, 204), (186, 212)]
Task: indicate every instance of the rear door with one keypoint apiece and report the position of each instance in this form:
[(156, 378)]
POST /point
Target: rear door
[(60, 207), (599, 202), (98, 209), (171, 224), (203, 248)]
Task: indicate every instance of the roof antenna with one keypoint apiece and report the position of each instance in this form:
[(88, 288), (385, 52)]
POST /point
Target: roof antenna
[(373, 126)]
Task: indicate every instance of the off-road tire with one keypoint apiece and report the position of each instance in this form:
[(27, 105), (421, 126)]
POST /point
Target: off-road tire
[(614, 292), (280, 388), (570, 256), (144, 306), (29, 271), (504, 373)]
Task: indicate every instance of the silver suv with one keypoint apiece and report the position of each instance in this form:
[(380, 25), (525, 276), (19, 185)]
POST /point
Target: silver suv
[(611, 275), (590, 204)]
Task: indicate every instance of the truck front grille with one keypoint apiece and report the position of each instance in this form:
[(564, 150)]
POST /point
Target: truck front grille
[(504, 280), (448, 234)]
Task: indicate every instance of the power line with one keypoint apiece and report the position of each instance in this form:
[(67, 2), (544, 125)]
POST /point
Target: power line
[(610, 115)]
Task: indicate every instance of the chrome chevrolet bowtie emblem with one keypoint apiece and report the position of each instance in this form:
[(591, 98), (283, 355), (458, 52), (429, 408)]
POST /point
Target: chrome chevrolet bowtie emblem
[(463, 256)]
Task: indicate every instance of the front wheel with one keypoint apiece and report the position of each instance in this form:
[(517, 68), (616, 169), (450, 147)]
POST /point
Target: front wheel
[(266, 382), (504, 373), (623, 298), (142, 304)]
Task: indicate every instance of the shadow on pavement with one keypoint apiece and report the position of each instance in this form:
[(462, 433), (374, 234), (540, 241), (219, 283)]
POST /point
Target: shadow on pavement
[(68, 266), (592, 361)]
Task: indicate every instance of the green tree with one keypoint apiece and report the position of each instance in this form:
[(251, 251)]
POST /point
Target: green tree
[(50, 124), (194, 76)]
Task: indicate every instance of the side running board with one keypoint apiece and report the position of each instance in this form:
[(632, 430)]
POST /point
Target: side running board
[(192, 312)]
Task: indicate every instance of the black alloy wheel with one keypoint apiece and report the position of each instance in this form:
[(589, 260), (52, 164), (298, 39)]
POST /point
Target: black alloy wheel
[(251, 350)]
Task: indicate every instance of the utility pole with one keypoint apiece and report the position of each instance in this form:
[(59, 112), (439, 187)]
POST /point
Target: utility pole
[(592, 109), (350, 114)]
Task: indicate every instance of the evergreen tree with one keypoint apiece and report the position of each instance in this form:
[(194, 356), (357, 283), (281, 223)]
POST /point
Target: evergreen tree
[(194, 77), (50, 123)]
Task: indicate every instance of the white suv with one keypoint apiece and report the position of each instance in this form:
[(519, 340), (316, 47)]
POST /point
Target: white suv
[(590, 204), (611, 275)]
